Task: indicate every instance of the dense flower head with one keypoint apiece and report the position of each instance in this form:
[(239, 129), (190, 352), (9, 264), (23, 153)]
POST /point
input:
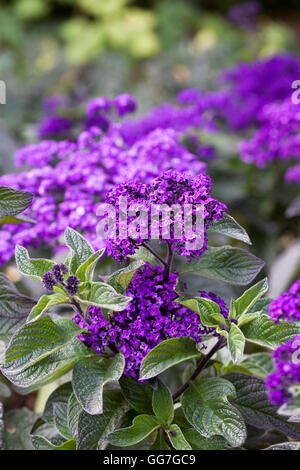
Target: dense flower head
[(287, 306), (251, 86), (286, 359), (150, 318), (70, 178), (277, 138), (172, 189)]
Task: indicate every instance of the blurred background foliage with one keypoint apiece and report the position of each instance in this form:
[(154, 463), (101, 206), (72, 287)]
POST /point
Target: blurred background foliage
[(150, 48)]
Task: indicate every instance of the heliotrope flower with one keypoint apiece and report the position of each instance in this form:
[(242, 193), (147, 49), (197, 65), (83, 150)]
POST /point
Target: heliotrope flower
[(69, 179), (171, 189), (287, 306), (151, 317), (286, 359)]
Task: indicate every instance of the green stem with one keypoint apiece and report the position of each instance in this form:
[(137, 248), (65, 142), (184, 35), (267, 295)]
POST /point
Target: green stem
[(219, 345)]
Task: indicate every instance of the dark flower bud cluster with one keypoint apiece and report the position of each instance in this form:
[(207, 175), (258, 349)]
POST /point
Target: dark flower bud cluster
[(286, 359), (72, 284), (49, 281), (151, 317), (287, 306), (58, 272), (56, 276)]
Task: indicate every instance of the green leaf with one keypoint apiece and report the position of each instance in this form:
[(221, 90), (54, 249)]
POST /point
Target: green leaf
[(60, 395), (50, 368), (60, 411), (85, 272), (41, 443), (33, 267), (253, 403), (258, 364), (4, 389), (162, 404), (285, 446), (74, 410), (291, 408), (18, 426), (177, 438), (236, 343), (14, 308), (20, 219), (89, 378), (42, 351), (207, 409), (45, 303), (93, 429), (144, 255), (142, 426), (244, 303), (121, 279), (265, 332), (199, 442), (138, 395), (37, 340), (226, 264), (229, 226), (13, 202), (167, 354), (104, 296), (248, 317), (81, 248), (208, 310)]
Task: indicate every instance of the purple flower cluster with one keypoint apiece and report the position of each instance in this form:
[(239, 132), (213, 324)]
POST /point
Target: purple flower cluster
[(69, 179), (245, 15), (150, 318), (244, 91), (62, 116), (286, 359), (287, 306), (172, 188), (277, 138)]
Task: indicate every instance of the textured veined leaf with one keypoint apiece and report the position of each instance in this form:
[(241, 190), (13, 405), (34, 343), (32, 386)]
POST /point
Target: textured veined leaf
[(252, 401), (177, 438), (265, 332), (33, 267), (228, 226), (236, 343), (81, 248), (89, 378), (226, 264), (244, 303), (208, 410), (141, 427), (167, 354), (13, 202), (94, 429), (14, 308)]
